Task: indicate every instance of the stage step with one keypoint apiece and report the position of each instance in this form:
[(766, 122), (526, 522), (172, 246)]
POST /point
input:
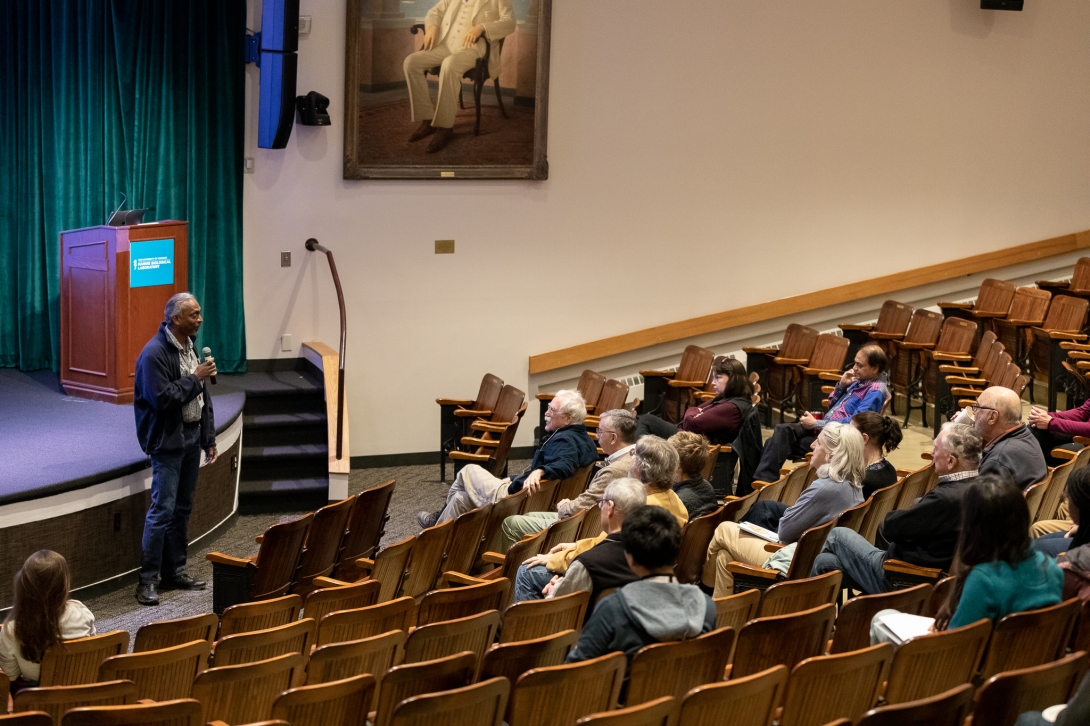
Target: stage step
[(276, 429), (284, 460)]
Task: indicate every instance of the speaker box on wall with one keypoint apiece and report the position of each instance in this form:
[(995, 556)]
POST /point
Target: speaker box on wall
[(276, 112), (984, 5), (280, 25)]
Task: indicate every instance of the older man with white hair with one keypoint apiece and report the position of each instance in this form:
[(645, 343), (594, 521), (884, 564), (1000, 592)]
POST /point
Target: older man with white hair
[(566, 449)]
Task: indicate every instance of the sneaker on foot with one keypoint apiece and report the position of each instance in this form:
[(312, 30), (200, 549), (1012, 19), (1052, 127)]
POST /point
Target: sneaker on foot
[(427, 519)]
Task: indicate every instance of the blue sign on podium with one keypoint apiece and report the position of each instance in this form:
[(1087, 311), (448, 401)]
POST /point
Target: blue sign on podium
[(151, 263)]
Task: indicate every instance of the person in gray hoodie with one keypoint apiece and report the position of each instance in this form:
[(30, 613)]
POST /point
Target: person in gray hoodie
[(655, 608)]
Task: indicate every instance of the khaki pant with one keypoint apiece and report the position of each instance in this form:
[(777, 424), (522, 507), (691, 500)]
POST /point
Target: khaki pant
[(451, 68), (518, 526), (730, 544), (1048, 526), (473, 487)]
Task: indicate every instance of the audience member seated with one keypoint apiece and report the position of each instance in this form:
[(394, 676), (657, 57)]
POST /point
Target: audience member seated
[(566, 449), (1077, 498), (718, 419), (654, 463), (593, 564), (996, 571), (41, 616), (616, 436), (861, 388), (881, 436), (655, 608), (1075, 713), (1059, 429), (1074, 557), (691, 487), (1009, 448), (925, 534), (838, 458)]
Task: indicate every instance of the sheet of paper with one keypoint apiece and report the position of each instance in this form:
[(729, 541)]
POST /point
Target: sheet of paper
[(756, 531), (906, 626)]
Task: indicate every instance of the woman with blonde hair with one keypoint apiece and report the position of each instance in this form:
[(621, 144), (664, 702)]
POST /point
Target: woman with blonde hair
[(838, 458), (41, 616)]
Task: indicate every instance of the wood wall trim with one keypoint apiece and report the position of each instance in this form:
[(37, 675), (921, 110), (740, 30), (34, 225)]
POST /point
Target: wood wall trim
[(808, 301), (327, 359)]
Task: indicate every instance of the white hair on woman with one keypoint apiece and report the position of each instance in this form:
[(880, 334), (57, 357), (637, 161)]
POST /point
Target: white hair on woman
[(572, 405), (844, 453)]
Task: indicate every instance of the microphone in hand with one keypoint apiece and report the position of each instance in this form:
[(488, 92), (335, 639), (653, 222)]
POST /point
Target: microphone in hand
[(207, 353)]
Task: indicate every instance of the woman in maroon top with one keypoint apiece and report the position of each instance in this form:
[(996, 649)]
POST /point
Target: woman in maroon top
[(718, 419), (1059, 429)]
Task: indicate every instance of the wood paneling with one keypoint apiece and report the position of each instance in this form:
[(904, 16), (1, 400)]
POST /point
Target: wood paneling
[(808, 301), (103, 541)]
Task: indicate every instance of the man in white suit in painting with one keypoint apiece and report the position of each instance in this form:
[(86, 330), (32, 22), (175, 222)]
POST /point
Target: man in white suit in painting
[(452, 41)]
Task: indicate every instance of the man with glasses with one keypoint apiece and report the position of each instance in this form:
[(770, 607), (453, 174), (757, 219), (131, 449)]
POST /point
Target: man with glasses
[(1010, 451), (566, 449), (593, 564), (925, 534), (616, 437)]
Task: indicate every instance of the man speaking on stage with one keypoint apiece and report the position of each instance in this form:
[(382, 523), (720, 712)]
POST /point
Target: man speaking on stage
[(174, 423)]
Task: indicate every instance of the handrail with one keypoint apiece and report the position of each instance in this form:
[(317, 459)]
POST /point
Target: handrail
[(312, 245), (795, 304)]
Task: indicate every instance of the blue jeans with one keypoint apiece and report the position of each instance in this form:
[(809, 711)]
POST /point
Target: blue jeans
[(173, 482), (1052, 544), (848, 551), (530, 581)]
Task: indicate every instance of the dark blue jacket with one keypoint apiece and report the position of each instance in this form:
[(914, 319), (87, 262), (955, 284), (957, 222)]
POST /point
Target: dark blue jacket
[(568, 449), (160, 391)]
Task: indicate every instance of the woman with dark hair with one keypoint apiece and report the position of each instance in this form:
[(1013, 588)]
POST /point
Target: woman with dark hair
[(995, 570), (861, 388), (1077, 496), (718, 419), (881, 435), (41, 616)]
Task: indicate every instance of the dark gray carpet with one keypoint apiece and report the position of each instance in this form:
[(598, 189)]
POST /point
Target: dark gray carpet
[(418, 488)]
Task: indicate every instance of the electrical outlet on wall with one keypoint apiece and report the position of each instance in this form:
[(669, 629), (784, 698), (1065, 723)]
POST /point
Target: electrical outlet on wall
[(304, 25), (285, 342), (285, 259)]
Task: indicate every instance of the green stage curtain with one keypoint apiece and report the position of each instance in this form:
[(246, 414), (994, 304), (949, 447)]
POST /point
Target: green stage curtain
[(99, 97)]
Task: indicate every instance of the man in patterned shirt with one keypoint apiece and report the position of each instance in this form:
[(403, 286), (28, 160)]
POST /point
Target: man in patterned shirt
[(174, 422)]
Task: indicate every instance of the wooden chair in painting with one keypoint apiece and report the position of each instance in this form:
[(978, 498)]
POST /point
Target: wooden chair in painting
[(892, 324), (776, 366), (366, 527), (269, 573), (455, 415), (666, 392)]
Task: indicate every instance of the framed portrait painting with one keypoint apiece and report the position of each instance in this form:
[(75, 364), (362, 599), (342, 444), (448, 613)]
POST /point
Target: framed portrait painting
[(440, 89)]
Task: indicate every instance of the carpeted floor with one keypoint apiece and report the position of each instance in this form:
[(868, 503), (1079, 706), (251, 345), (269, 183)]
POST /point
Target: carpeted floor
[(418, 487)]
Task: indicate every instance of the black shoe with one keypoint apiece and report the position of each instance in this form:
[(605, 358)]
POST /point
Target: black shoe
[(183, 581), (147, 593)]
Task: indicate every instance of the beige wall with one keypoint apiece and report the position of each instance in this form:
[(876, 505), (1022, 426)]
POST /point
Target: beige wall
[(733, 152)]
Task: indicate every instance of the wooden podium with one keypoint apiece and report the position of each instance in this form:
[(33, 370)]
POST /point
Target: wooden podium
[(112, 301)]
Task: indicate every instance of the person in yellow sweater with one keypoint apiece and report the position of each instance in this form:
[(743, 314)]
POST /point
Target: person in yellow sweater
[(654, 462)]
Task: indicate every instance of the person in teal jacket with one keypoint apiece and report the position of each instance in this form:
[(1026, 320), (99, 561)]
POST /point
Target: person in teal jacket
[(995, 570)]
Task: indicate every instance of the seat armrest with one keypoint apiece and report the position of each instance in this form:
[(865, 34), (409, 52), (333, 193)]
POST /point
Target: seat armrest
[(457, 578), (545, 396), (1062, 335), (704, 396), (965, 381), (760, 351), (956, 305), (1053, 284), (918, 346), (740, 568), (496, 427), (958, 369), (926, 455), (494, 558), (260, 538), (686, 384), (471, 413), (904, 568), (474, 441), (954, 357), (1078, 355), (866, 327), (971, 393), (1074, 346), (656, 373), (830, 376), (466, 456), (324, 581), (1024, 323), (887, 336), (365, 563), (1066, 454), (1082, 440), (791, 361), (774, 546), (218, 558), (454, 402), (820, 372)]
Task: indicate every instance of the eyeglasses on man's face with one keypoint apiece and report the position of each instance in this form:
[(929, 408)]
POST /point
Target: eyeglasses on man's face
[(978, 407), (601, 431)]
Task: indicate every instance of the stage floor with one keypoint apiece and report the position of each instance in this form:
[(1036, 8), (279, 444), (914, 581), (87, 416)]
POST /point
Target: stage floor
[(53, 443)]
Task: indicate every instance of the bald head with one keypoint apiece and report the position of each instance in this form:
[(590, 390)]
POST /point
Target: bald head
[(998, 410)]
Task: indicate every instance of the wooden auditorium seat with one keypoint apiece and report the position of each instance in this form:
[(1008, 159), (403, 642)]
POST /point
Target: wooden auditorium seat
[(532, 619), (295, 637), (365, 529), (455, 414), (374, 655), (76, 661), (337, 703), (481, 704), (752, 700), (269, 573), (166, 633), (260, 615), (159, 675)]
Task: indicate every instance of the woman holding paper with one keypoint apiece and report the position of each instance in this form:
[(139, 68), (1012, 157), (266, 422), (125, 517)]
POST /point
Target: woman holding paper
[(838, 458), (996, 571)]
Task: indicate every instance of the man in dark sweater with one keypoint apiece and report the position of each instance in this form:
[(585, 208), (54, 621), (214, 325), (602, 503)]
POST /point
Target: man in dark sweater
[(1010, 450), (174, 423), (656, 607), (567, 449), (594, 564), (925, 534)]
